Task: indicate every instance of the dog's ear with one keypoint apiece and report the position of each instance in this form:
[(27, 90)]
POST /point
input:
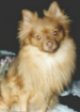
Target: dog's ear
[(54, 10), (26, 25), (27, 16), (56, 13)]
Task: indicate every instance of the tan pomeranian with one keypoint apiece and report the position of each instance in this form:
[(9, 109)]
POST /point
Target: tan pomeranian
[(44, 65)]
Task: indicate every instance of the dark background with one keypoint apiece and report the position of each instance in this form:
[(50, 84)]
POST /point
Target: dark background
[(10, 14)]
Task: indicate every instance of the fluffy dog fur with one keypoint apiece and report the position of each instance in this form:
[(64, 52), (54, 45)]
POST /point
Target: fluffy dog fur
[(44, 65)]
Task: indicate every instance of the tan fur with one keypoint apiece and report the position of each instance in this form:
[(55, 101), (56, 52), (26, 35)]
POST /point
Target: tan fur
[(37, 77)]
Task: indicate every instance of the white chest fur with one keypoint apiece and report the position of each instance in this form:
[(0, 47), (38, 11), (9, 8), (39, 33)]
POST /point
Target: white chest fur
[(41, 69)]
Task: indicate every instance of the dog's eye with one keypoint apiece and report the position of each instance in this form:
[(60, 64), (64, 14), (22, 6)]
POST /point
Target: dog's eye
[(38, 37), (55, 32)]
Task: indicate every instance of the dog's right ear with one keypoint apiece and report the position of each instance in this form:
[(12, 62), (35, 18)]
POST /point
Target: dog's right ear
[(26, 25), (27, 16)]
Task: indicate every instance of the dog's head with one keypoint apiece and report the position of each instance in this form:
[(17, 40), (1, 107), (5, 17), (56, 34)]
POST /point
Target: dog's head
[(46, 33)]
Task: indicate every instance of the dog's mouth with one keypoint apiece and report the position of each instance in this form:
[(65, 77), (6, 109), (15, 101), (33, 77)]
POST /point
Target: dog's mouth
[(51, 47)]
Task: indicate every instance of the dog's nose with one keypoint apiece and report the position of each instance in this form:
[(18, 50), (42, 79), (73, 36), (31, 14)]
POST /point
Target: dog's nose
[(49, 44)]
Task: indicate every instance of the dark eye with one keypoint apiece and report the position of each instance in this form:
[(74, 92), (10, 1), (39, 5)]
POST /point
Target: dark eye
[(38, 37), (55, 32)]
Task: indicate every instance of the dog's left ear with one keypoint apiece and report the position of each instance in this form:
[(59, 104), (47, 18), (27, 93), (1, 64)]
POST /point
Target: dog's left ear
[(56, 13), (54, 10)]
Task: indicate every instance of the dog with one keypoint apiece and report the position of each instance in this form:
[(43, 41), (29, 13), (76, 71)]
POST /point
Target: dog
[(44, 65)]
